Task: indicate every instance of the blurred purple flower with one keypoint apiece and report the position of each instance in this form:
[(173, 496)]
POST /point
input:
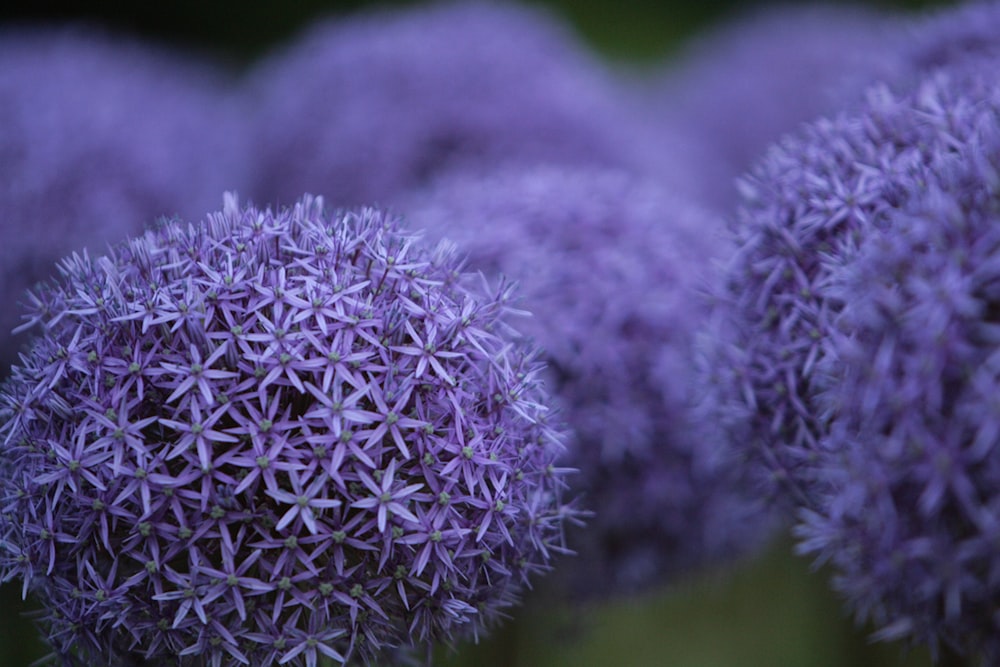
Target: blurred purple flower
[(854, 347), (743, 85), (909, 382), (98, 136), (269, 438), (611, 266), (806, 208), (952, 37), (367, 107)]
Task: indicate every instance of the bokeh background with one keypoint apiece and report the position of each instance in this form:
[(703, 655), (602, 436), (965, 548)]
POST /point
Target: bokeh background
[(626, 30), (775, 611)]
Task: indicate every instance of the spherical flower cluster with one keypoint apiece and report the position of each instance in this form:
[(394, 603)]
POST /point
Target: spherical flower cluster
[(744, 84), (910, 384), (366, 107), (99, 136), (805, 210), (610, 266), (272, 437)]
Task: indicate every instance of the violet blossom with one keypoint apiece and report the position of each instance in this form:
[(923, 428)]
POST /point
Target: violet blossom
[(854, 349), (611, 266), (759, 75), (274, 437), (366, 107), (98, 136), (805, 209), (909, 510)]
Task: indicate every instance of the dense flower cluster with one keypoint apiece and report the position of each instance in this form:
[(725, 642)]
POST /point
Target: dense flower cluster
[(746, 83), (910, 384), (367, 107), (806, 207), (99, 136), (855, 343), (272, 437), (611, 266)]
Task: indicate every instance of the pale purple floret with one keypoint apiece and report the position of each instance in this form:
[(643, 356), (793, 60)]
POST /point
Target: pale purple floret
[(910, 471), (274, 438), (366, 107), (611, 266), (743, 85), (98, 137)]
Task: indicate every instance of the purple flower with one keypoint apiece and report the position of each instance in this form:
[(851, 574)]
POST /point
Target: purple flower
[(367, 107), (909, 513), (611, 265), (806, 209), (273, 437), (856, 345), (743, 85), (99, 136)]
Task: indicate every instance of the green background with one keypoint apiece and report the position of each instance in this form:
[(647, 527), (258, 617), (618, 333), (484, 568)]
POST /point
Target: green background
[(773, 611), (624, 29)]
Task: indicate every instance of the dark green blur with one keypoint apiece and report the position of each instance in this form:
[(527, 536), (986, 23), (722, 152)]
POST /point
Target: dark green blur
[(636, 30), (771, 612)]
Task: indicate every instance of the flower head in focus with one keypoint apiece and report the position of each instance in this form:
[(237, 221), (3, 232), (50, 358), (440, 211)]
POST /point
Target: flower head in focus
[(99, 136), (611, 266), (273, 437)]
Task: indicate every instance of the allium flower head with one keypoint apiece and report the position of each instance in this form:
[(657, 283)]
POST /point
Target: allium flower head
[(611, 266), (98, 136), (272, 437), (910, 385), (366, 107), (806, 208), (744, 84)]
